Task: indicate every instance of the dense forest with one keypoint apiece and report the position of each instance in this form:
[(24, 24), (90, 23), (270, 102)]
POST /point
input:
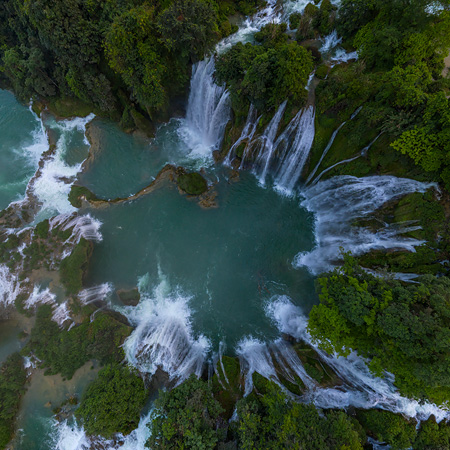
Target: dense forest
[(120, 58)]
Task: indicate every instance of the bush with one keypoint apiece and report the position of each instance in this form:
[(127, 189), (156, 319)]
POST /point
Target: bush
[(388, 427), (64, 351), (113, 402), (76, 192)]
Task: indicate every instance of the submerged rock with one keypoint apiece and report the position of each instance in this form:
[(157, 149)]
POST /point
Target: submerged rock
[(129, 297)]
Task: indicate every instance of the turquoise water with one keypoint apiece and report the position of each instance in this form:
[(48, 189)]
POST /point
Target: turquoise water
[(22, 142), (230, 260)]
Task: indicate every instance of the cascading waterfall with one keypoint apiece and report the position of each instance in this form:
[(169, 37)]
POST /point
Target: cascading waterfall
[(163, 336), (9, 286), (338, 202), (361, 388), (82, 226), (247, 134), (95, 293), (208, 111), (52, 183), (266, 151), (291, 163), (285, 156)]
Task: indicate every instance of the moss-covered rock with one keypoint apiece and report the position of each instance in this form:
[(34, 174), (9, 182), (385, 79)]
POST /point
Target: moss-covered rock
[(192, 183)]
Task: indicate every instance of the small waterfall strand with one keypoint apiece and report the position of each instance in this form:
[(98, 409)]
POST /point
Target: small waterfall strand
[(247, 134)]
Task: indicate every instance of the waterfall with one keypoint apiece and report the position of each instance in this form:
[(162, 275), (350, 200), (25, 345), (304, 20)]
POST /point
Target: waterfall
[(293, 161), (82, 226), (163, 335), (247, 134), (208, 111), (361, 388), (266, 151), (95, 293), (340, 201), (9, 286), (285, 156)]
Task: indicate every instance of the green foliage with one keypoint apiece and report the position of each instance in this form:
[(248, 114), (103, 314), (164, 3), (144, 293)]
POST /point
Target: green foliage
[(41, 229), (403, 329), (63, 351), (265, 75), (73, 268), (185, 417), (113, 402), (388, 427), (12, 386), (76, 192), (189, 28), (272, 421), (433, 436), (192, 183)]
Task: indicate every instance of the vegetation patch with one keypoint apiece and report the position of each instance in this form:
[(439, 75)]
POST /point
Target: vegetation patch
[(113, 402), (13, 377), (401, 328), (192, 183), (74, 267), (65, 351)]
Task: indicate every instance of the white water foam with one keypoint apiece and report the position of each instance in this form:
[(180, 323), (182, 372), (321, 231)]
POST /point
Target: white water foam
[(9, 286), (207, 114), (339, 201), (95, 293), (56, 177), (83, 226), (163, 336), (361, 388), (71, 436)]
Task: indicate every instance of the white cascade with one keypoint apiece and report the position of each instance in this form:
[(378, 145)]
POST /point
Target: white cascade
[(267, 140), (208, 111), (82, 226), (9, 286), (338, 202), (163, 336), (361, 388), (95, 293), (292, 162)]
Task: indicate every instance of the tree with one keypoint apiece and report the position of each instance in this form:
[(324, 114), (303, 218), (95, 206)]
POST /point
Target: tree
[(270, 420), (185, 417), (113, 402), (403, 329), (189, 28)]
